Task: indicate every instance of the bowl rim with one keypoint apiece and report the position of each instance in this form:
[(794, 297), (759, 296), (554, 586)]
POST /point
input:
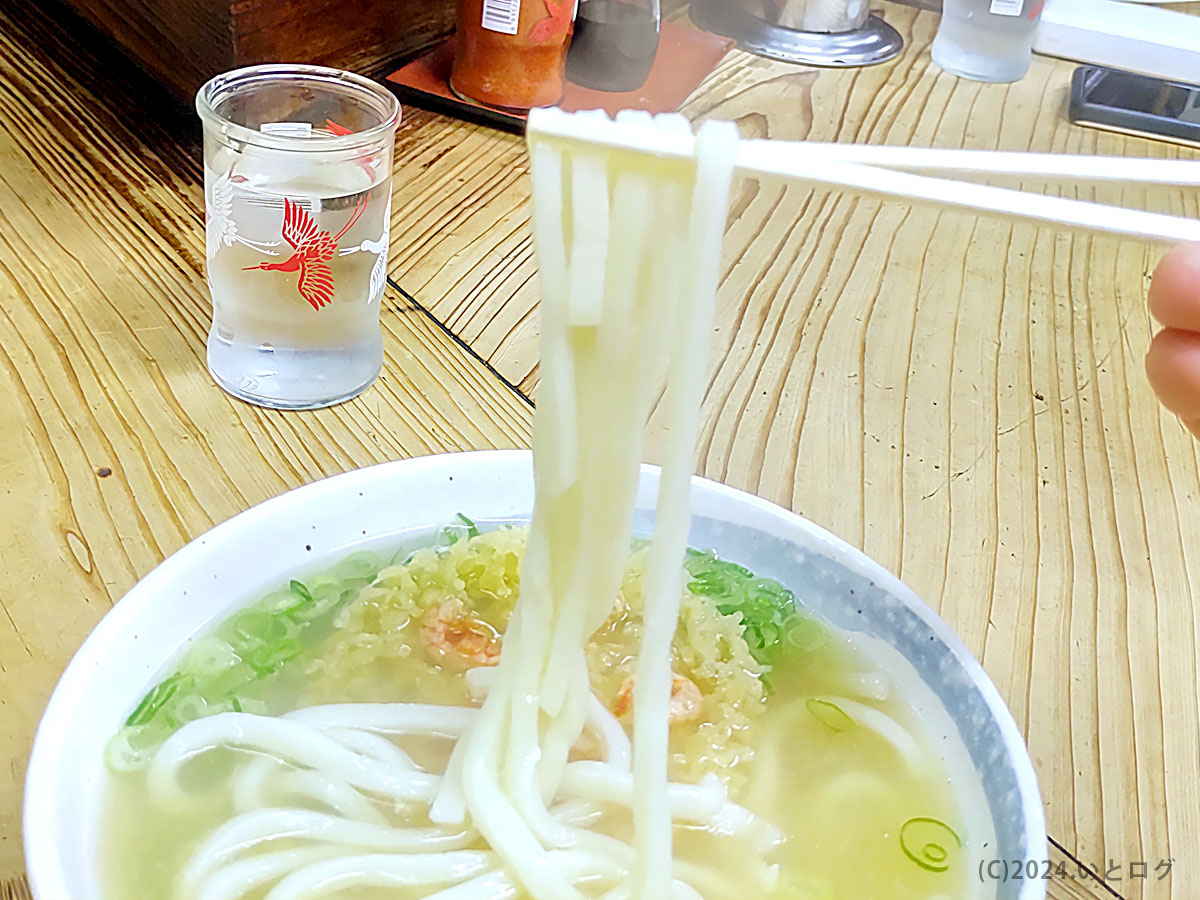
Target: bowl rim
[(45, 859)]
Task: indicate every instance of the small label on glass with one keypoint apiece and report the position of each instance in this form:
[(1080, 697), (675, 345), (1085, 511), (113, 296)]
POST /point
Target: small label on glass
[(501, 15), (1006, 7), (287, 129)]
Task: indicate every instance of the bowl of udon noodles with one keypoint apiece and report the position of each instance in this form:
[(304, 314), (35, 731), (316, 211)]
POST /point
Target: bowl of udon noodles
[(273, 713)]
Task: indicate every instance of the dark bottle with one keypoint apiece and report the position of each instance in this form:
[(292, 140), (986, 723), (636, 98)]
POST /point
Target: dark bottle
[(614, 44)]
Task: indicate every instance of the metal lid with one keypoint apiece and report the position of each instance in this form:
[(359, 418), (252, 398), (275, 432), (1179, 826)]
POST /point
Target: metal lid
[(875, 42)]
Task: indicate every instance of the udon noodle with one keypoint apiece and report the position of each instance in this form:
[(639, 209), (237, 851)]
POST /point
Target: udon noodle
[(608, 303), (537, 791)]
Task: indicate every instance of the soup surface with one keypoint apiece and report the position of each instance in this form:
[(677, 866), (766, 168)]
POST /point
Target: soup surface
[(804, 729)]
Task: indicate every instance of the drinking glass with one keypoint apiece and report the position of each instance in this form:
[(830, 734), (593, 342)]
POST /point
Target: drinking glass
[(987, 40), (297, 189)]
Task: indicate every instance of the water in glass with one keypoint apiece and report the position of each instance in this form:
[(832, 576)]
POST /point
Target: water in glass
[(297, 265)]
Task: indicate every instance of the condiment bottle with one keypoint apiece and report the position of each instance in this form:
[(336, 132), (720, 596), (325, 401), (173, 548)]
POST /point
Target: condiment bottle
[(987, 40), (615, 44), (511, 53)]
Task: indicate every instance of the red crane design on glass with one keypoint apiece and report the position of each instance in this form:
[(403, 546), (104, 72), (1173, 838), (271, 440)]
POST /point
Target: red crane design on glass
[(314, 248)]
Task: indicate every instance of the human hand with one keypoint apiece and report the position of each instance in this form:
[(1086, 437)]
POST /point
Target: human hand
[(1173, 362)]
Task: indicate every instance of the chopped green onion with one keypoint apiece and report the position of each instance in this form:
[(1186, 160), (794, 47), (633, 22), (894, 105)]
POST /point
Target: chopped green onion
[(324, 595), (765, 607), (270, 657), (255, 628), (255, 706), (131, 748), (361, 565), (220, 669), (155, 700), (734, 569), (210, 656), (933, 836), (306, 612), (188, 708), (460, 529), (279, 603), (804, 633), (829, 714)]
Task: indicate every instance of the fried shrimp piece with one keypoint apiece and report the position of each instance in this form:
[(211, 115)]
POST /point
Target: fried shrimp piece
[(685, 699), (455, 636)]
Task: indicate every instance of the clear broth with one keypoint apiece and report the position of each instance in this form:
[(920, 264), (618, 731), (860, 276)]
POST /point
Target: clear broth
[(839, 791)]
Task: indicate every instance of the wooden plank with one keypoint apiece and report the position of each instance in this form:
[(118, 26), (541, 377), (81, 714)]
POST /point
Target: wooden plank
[(116, 446), (372, 39), (152, 34), (460, 229), (184, 43), (1077, 601), (962, 398), (1070, 879)]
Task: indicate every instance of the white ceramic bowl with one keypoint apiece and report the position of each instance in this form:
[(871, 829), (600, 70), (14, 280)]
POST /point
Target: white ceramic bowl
[(320, 522)]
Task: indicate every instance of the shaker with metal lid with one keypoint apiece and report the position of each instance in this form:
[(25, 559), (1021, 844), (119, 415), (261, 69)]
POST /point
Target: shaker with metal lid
[(615, 44), (810, 32)]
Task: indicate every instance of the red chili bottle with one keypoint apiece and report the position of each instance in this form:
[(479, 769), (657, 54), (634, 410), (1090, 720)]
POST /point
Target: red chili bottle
[(512, 53)]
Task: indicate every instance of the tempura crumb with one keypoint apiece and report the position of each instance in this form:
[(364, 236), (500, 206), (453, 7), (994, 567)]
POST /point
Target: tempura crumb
[(375, 647)]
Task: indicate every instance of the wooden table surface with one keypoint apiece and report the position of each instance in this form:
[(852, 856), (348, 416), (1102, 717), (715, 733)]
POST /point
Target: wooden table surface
[(962, 398)]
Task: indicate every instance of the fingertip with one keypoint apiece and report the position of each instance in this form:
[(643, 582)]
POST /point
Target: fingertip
[(1174, 294), (1173, 368)]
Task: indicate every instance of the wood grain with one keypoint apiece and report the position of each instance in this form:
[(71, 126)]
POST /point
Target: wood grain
[(154, 34), (372, 39), (963, 398), (186, 42), (960, 397), (117, 447)]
